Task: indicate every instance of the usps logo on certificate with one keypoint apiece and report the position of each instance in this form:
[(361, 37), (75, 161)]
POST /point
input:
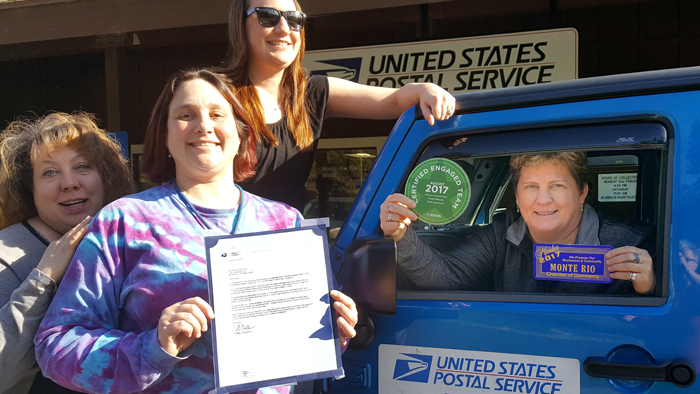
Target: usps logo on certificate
[(575, 263)]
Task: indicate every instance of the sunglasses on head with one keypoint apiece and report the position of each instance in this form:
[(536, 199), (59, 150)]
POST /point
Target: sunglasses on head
[(270, 17)]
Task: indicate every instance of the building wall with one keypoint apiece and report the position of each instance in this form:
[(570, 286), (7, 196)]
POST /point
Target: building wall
[(65, 83), (119, 76)]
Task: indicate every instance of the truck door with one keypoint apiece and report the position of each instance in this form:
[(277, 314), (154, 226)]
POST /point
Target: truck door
[(480, 340)]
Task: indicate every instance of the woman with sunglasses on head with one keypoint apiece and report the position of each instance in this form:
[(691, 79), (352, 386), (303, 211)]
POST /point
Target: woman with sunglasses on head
[(267, 47), (137, 287)]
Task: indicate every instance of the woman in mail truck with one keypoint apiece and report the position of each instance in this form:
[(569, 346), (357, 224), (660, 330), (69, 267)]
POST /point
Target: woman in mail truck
[(137, 288), (287, 108), (550, 191), (56, 172)]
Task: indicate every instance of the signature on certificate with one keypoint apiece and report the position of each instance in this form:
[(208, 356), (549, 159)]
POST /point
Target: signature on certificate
[(241, 328)]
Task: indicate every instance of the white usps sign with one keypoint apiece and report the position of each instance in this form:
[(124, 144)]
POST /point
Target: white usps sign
[(458, 65), (617, 187), (421, 370)]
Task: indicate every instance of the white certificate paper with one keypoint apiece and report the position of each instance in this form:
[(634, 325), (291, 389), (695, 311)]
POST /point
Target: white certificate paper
[(274, 323)]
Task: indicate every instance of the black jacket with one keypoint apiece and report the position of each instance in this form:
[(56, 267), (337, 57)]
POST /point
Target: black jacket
[(492, 259)]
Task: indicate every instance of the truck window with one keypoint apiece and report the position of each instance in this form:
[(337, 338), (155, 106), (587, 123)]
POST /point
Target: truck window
[(628, 165)]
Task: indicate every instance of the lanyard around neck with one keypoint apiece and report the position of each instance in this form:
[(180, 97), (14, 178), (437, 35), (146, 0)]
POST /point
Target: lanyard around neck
[(193, 211)]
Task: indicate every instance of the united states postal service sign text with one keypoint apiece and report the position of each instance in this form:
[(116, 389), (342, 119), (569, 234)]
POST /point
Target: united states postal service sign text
[(458, 65), (422, 370)]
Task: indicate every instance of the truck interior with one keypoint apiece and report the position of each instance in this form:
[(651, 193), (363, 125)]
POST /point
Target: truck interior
[(628, 170)]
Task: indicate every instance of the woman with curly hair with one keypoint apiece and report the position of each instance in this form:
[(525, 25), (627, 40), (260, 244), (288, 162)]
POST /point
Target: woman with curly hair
[(56, 172)]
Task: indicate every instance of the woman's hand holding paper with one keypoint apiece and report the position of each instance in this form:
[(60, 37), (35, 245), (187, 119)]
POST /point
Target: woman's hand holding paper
[(183, 322), (347, 316)]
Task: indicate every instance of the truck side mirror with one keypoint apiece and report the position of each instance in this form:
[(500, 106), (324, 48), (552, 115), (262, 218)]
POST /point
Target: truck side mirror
[(368, 274)]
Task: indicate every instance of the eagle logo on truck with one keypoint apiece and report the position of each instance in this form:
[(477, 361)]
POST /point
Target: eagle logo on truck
[(416, 368)]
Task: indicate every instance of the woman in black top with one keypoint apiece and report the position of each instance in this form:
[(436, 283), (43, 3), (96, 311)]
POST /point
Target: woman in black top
[(267, 47)]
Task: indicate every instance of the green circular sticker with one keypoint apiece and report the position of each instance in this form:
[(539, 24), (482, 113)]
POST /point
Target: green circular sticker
[(441, 190)]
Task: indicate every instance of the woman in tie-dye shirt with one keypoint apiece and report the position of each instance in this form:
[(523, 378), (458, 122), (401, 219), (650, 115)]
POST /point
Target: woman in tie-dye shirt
[(131, 314)]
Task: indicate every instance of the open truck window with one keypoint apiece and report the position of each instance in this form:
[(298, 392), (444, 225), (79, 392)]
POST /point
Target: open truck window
[(628, 165)]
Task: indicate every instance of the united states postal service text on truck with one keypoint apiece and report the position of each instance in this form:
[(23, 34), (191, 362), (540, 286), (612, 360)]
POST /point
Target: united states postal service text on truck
[(641, 136)]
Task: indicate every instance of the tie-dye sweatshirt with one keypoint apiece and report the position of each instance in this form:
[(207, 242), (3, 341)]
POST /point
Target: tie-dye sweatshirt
[(142, 254)]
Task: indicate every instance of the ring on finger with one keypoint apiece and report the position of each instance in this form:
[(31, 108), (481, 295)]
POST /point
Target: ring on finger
[(633, 276), (636, 257), (388, 206), (449, 111), (389, 216)]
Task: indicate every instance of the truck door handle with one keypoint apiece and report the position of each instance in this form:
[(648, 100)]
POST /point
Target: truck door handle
[(679, 371)]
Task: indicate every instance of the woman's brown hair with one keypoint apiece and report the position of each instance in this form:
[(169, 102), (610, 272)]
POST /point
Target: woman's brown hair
[(24, 139), (293, 83), (160, 168)]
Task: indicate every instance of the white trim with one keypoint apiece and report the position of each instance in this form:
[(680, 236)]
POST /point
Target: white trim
[(137, 148), (350, 143)]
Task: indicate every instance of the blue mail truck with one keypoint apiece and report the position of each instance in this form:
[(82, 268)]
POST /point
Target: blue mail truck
[(641, 135)]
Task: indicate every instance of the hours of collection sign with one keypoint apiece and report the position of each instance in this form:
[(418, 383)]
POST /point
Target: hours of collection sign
[(617, 187), (441, 190)]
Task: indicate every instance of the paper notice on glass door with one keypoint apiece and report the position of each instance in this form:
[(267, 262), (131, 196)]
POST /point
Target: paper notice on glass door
[(274, 323)]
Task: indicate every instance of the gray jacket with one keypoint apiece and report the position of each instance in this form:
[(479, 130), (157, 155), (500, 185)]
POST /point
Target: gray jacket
[(498, 257), (25, 295)]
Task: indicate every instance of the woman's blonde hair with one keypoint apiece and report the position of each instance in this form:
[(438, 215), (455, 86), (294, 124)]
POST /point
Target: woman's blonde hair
[(23, 140), (293, 83), (575, 162)]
